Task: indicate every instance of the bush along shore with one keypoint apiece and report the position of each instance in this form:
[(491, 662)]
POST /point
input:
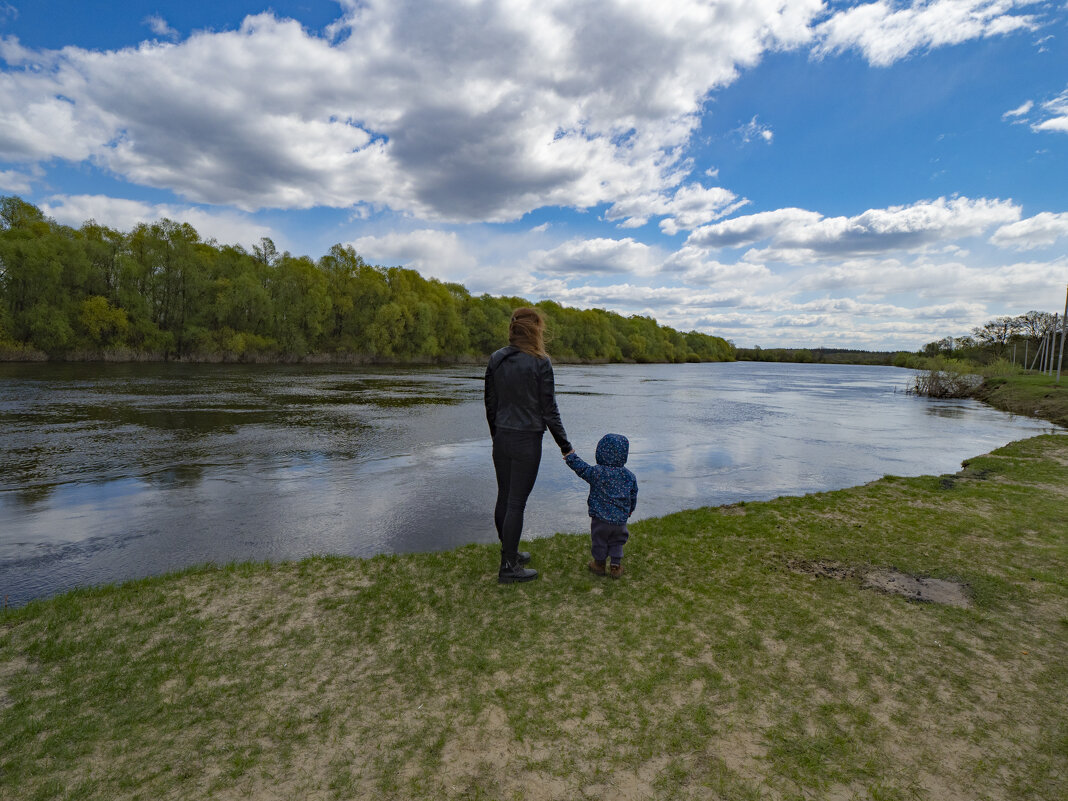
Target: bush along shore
[(903, 639), (1003, 387)]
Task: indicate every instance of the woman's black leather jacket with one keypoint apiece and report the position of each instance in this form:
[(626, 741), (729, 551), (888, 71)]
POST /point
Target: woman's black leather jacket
[(521, 395)]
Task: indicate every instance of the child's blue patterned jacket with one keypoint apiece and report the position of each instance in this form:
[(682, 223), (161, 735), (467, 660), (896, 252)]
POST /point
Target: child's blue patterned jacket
[(613, 488)]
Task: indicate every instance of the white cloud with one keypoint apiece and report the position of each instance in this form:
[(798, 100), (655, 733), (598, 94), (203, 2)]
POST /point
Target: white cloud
[(688, 207), (226, 227), (754, 130), (693, 266), (158, 25), (439, 254), (1019, 111), (993, 285), (445, 110), (796, 234), (887, 31), (1041, 230), (1056, 111), (752, 228), (601, 255), (14, 181)]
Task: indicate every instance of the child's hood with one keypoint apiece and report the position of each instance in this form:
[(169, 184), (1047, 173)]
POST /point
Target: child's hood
[(612, 450)]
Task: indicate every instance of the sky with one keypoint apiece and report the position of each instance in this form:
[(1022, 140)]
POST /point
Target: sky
[(781, 173)]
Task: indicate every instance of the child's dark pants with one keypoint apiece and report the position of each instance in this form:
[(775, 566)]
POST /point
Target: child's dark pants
[(608, 540)]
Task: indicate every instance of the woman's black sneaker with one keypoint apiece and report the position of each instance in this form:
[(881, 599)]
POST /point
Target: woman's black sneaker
[(513, 573)]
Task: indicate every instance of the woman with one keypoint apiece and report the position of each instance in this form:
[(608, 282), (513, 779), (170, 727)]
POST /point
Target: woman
[(520, 405)]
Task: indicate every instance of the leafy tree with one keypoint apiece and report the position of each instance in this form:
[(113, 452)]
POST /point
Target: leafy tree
[(16, 213), (104, 324)]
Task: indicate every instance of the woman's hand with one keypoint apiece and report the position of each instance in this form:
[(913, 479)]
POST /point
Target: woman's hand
[(568, 454)]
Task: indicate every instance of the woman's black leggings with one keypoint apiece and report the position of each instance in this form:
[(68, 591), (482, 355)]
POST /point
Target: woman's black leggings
[(516, 457)]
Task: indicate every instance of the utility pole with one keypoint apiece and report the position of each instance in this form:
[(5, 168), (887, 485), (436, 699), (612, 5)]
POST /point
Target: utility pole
[(1052, 344), (1064, 330)]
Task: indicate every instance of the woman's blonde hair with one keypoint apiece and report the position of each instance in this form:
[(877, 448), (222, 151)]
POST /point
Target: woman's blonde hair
[(526, 331)]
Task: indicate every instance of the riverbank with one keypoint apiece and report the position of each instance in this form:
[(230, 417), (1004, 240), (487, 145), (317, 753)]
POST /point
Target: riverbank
[(1028, 394), (750, 651)]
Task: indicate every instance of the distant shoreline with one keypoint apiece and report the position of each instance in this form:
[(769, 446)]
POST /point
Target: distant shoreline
[(31, 356)]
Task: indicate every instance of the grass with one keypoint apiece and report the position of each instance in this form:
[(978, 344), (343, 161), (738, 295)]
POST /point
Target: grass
[(740, 657), (1029, 394)]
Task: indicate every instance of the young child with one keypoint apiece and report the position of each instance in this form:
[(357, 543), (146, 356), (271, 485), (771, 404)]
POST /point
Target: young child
[(613, 496)]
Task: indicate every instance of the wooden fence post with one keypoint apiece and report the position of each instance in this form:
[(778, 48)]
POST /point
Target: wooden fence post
[(1039, 352)]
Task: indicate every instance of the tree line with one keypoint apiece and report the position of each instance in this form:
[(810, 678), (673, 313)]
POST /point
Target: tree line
[(819, 355), (161, 292), (996, 339)]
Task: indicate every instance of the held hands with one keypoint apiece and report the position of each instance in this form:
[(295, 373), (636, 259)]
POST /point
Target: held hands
[(568, 454)]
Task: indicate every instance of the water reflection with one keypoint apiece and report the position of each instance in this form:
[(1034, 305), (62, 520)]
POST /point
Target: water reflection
[(117, 471)]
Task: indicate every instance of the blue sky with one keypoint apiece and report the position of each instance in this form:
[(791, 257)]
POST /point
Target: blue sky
[(778, 172)]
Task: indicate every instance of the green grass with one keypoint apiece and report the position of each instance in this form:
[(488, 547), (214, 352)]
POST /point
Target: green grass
[(1029, 394), (722, 665)]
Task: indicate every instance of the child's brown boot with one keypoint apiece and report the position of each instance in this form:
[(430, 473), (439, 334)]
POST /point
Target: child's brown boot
[(597, 567), (615, 571)]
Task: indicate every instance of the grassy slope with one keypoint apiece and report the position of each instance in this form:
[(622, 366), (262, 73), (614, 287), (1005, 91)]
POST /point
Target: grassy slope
[(718, 667), (1030, 394)]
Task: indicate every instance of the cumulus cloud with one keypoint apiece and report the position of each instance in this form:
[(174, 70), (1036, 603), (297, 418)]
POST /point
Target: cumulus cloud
[(887, 31), (993, 285), (693, 265), (863, 302), (14, 181), (752, 228), (440, 254), (1041, 230), (227, 227), (445, 110), (800, 234), (600, 255), (679, 307), (690, 206)]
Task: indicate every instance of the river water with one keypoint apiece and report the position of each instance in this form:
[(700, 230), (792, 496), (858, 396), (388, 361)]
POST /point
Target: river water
[(112, 472)]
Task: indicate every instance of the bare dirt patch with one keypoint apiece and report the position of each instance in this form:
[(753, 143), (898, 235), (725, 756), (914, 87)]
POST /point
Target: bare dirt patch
[(915, 588), (819, 567), (733, 509)]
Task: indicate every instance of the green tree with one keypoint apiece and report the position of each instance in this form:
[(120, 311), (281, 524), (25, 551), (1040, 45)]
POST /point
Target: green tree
[(301, 304), (104, 324)]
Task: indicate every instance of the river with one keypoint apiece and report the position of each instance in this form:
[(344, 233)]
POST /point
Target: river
[(113, 472)]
